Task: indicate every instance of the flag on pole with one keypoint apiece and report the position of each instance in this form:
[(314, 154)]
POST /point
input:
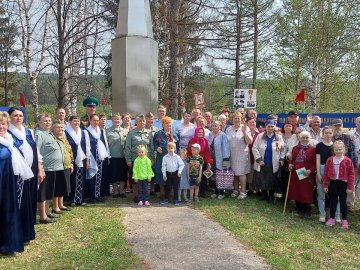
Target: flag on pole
[(300, 97), (22, 99)]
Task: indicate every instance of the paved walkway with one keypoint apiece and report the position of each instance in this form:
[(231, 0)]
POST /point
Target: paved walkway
[(183, 238)]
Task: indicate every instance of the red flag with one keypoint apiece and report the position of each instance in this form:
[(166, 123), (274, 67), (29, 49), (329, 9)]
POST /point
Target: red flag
[(301, 96), (22, 99)]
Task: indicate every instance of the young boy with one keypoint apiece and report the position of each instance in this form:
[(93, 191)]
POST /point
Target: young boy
[(195, 171), (172, 166)]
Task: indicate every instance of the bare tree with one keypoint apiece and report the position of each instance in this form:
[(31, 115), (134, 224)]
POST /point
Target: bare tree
[(34, 34)]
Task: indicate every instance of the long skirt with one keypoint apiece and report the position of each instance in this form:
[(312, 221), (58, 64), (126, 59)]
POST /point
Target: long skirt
[(27, 198), (11, 235), (265, 179)]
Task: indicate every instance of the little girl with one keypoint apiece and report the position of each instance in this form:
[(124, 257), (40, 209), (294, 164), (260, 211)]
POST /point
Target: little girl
[(142, 174), (184, 180), (339, 177)]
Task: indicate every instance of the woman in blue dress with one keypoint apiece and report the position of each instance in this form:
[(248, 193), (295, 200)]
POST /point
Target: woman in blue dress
[(11, 236), (27, 189), (160, 140)]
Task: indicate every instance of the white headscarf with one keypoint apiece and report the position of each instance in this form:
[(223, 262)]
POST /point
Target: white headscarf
[(80, 155), (25, 147), (102, 151), (20, 167)]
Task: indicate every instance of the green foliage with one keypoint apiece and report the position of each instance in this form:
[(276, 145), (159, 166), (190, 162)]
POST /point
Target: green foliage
[(91, 237), (8, 77)]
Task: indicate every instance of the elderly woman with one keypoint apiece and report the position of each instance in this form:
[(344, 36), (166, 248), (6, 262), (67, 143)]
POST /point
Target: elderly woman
[(160, 141), (201, 122), (63, 187), (11, 231), (80, 146), (268, 155), (99, 152), (223, 122), (220, 152), (53, 163), (184, 131), (119, 170), (204, 153), (240, 138), (138, 136), (303, 156), (27, 190)]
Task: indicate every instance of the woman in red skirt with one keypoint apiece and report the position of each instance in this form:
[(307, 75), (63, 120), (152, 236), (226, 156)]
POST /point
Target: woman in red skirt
[(302, 163)]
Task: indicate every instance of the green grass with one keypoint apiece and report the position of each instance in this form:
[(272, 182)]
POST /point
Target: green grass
[(287, 242), (90, 237)]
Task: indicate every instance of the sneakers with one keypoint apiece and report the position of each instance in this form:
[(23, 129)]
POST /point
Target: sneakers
[(337, 219), (344, 224), (213, 196), (140, 203), (147, 203), (177, 203), (164, 202), (234, 194), (330, 222), (322, 219), (221, 197), (242, 196)]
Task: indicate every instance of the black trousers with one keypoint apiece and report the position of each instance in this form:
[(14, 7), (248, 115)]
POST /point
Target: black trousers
[(337, 193), (172, 182)]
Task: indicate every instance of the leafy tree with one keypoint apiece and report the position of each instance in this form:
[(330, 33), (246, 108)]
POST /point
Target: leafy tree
[(8, 53)]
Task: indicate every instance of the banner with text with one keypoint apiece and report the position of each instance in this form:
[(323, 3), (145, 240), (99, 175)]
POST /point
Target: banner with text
[(326, 118)]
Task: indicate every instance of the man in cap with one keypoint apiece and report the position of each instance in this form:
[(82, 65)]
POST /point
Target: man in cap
[(293, 119), (90, 103), (339, 135)]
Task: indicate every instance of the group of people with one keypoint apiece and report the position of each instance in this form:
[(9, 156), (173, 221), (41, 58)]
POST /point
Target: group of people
[(68, 162)]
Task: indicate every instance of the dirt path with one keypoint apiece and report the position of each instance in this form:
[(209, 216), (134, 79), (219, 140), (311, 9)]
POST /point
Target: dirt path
[(183, 238)]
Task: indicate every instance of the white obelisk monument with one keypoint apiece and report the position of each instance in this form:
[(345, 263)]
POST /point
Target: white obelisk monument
[(134, 60)]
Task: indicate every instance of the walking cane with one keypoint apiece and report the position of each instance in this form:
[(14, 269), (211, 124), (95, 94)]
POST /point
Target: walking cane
[(287, 192)]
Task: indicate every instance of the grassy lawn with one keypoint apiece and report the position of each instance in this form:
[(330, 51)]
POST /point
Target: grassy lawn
[(90, 237), (287, 242)]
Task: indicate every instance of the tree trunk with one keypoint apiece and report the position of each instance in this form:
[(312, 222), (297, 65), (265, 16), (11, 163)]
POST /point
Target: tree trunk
[(34, 95), (256, 38), (238, 42), (174, 56)]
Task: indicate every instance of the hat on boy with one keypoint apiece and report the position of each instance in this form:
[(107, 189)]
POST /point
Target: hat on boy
[(196, 145)]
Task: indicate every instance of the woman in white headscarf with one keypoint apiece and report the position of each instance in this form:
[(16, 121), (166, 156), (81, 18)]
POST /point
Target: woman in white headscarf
[(27, 188), (12, 167), (80, 146), (99, 152)]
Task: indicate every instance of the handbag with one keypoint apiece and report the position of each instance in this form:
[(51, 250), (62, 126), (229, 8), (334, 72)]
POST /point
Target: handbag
[(224, 179)]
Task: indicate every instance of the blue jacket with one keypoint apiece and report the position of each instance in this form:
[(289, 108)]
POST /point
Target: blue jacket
[(222, 148)]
